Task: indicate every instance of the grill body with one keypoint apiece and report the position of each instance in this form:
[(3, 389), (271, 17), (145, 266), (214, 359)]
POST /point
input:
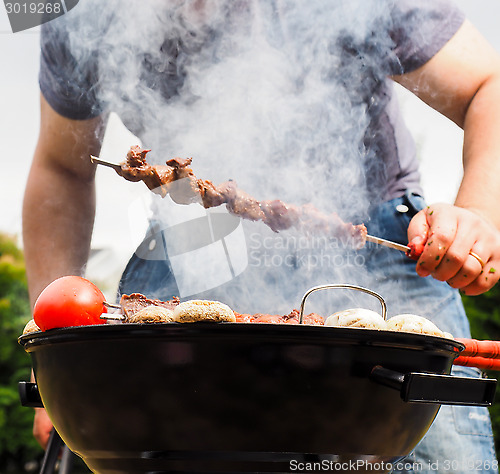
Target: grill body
[(232, 397)]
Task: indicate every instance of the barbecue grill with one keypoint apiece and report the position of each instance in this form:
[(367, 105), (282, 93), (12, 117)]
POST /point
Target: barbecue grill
[(229, 397)]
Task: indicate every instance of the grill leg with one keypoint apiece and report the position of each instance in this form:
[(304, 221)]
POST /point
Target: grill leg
[(52, 453), (66, 461)]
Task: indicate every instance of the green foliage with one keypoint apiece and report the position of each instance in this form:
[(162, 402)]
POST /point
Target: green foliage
[(484, 316), (17, 444)]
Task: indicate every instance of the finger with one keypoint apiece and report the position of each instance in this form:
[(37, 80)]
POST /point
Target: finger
[(457, 264), (418, 228), (488, 278), (42, 426), (478, 258), (468, 272), (442, 231), (41, 437)]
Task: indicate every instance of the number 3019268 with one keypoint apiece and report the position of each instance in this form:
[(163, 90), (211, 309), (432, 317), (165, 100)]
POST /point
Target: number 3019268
[(34, 7)]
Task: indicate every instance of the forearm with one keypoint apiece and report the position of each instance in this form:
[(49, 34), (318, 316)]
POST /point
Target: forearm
[(480, 190), (462, 82), (59, 200), (58, 215)]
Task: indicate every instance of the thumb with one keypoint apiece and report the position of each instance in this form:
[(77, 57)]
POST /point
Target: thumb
[(417, 234)]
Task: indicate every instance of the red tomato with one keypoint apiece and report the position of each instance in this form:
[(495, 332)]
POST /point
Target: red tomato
[(69, 301)]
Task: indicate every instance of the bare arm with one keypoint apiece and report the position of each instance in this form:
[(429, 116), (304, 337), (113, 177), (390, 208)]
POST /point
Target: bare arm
[(58, 209), (59, 201), (463, 82)]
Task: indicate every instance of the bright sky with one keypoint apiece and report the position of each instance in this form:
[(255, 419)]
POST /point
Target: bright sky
[(440, 141)]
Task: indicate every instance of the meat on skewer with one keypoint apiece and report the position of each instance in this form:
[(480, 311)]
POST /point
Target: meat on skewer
[(177, 179)]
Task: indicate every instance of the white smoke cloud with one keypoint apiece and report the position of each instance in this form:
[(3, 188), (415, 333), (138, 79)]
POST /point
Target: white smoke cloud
[(253, 91)]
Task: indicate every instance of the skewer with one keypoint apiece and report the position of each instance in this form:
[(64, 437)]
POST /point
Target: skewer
[(113, 316), (111, 305), (387, 243), (98, 161)]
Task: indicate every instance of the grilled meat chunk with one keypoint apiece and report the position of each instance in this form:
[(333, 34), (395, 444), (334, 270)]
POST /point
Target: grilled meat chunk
[(136, 302)]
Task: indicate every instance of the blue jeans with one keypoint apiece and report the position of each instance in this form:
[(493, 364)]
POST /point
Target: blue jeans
[(460, 439)]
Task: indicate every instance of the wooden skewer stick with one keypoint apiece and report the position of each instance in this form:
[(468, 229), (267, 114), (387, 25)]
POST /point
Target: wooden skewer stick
[(97, 160), (111, 305), (387, 243), (113, 316)]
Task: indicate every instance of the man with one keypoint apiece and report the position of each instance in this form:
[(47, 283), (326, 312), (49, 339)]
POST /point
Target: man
[(303, 67)]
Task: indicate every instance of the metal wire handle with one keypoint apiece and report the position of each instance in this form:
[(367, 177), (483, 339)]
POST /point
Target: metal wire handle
[(343, 286)]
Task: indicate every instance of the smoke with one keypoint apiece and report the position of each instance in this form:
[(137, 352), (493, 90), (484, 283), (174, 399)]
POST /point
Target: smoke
[(275, 95)]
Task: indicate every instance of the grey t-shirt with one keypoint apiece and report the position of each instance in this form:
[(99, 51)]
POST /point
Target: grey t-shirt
[(93, 60)]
